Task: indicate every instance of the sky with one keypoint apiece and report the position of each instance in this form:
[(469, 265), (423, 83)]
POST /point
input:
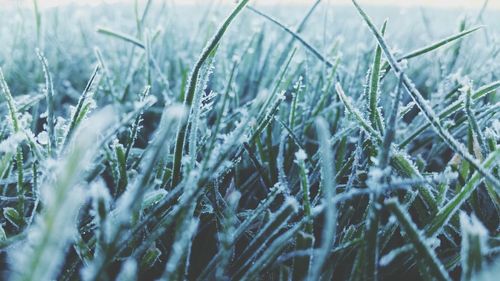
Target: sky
[(436, 3)]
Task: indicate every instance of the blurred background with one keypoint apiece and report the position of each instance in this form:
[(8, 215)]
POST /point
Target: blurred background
[(434, 3)]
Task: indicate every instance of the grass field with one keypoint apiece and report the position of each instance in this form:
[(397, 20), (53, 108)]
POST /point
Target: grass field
[(154, 141)]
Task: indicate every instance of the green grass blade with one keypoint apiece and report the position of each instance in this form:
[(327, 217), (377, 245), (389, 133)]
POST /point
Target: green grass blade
[(451, 109), (53, 228), (474, 248), (299, 38), (188, 100), (423, 104), (121, 36), (81, 105), (447, 211), (414, 236), (328, 188), (373, 97), (49, 93), (439, 44)]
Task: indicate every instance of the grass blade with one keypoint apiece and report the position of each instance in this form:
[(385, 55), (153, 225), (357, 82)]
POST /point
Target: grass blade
[(81, 105), (49, 93), (328, 189), (414, 236), (445, 213), (188, 100), (423, 104), (373, 99)]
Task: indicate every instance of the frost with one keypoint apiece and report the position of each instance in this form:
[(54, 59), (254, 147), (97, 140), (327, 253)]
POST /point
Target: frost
[(301, 155), (392, 255), (60, 128), (43, 138), (25, 120), (434, 242), (447, 176), (177, 111), (43, 253), (236, 59), (292, 202), (158, 184), (153, 197), (472, 225), (44, 115), (474, 236), (262, 96), (234, 197), (128, 271), (207, 103), (404, 64), (10, 144), (490, 134), (298, 86), (496, 126), (179, 247)]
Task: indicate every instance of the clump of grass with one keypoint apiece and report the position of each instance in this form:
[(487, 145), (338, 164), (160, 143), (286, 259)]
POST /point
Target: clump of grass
[(48, 239), (287, 160)]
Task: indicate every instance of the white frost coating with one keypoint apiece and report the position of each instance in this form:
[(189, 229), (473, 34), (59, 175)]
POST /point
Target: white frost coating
[(40, 256), (404, 64), (207, 103), (496, 126), (392, 255), (196, 112), (153, 197), (292, 202), (447, 176), (60, 129), (298, 86), (128, 204), (179, 247), (236, 136), (10, 144), (405, 109), (472, 226), (128, 271), (262, 96), (489, 133), (176, 111), (392, 219), (99, 192), (301, 155), (43, 138), (234, 197), (474, 236), (433, 242), (376, 174), (491, 273), (25, 120)]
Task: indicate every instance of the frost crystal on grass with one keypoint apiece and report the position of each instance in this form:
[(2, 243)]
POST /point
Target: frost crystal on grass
[(48, 238), (474, 236), (10, 144), (278, 163), (43, 138), (128, 271), (301, 155)]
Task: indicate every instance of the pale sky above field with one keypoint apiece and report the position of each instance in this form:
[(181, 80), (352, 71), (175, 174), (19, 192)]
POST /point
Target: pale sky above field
[(436, 3)]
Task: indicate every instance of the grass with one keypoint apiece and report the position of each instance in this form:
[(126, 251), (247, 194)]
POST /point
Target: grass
[(169, 147)]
